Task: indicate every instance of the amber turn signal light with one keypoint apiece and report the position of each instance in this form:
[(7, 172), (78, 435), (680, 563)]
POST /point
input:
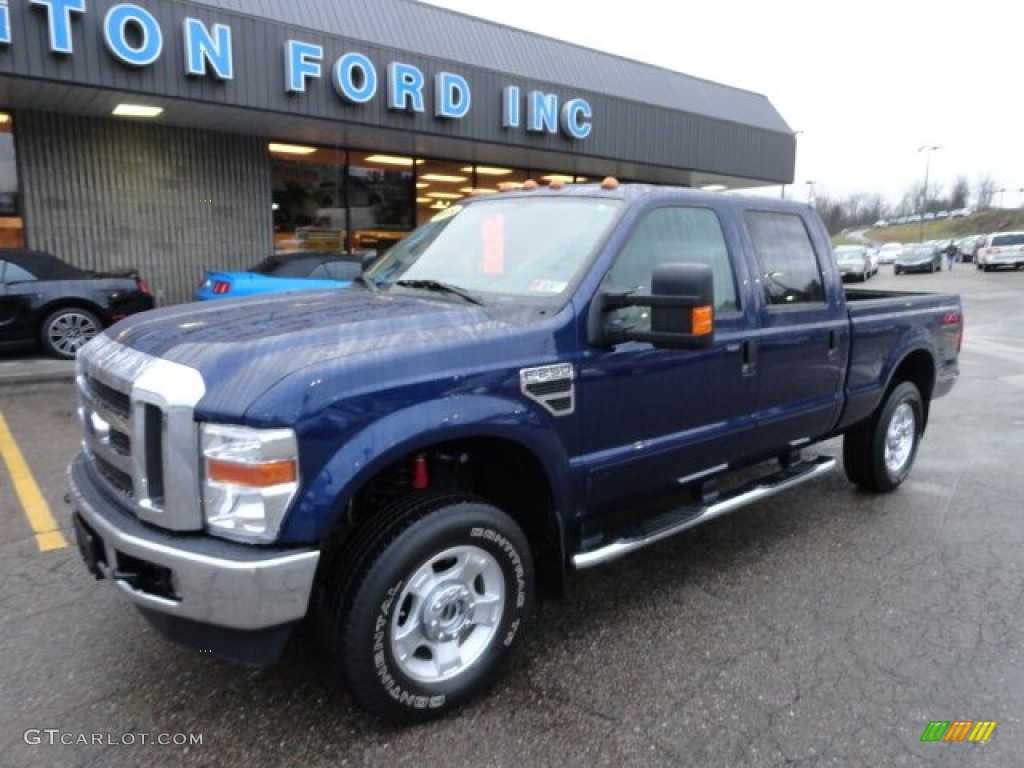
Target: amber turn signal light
[(260, 475), (701, 321)]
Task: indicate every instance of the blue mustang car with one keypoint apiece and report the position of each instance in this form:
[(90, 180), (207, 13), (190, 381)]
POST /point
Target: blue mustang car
[(300, 271)]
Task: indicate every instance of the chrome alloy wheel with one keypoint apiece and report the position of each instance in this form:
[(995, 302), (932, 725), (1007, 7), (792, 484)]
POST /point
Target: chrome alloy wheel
[(69, 331), (899, 438), (448, 614)]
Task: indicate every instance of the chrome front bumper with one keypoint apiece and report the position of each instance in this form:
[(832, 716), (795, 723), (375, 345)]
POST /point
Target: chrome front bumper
[(201, 578)]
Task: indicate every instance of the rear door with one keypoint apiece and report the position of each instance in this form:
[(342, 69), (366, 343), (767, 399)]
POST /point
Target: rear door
[(802, 347)]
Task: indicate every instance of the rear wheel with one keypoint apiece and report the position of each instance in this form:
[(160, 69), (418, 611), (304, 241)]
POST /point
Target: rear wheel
[(67, 330), (878, 453), (434, 608)]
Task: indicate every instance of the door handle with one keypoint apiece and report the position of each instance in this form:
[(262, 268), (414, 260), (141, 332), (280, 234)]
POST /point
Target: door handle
[(749, 348), (833, 342)]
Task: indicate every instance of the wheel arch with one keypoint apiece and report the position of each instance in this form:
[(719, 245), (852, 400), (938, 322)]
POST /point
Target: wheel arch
[(918, 368), (496, 468), (71, 302)]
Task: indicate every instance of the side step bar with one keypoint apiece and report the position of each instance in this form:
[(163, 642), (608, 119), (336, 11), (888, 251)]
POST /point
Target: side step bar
[(689, 516)]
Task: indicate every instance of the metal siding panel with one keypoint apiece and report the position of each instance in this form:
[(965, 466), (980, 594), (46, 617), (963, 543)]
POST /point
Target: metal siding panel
[(109, 194)]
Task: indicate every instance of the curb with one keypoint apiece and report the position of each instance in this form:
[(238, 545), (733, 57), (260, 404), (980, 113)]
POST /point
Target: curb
[(35, 371)]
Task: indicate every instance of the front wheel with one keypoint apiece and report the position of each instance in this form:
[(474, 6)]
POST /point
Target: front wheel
[(879, 452), (441, 598)]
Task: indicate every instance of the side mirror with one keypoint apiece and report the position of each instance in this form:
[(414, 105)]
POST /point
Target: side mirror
[(682, 309)]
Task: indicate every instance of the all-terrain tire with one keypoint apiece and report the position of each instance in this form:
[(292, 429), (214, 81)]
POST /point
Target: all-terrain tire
[(879, 453), (438, 600)]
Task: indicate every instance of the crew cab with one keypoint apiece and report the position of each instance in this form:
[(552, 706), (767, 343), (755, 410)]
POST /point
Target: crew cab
[(534, 382)]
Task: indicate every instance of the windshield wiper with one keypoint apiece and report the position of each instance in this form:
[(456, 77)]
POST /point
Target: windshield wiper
[(434, 285)]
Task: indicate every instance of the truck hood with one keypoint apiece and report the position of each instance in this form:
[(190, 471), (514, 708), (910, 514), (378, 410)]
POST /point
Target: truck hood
[(245, 346)]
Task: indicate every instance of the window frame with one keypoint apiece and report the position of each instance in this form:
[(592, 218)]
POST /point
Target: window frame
[(822, 299), (629, 315)]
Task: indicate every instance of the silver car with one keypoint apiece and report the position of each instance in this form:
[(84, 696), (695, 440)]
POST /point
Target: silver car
[(889, 252), (854, 262)]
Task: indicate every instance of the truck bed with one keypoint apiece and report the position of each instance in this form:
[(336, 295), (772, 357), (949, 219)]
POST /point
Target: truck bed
[(883, 326)]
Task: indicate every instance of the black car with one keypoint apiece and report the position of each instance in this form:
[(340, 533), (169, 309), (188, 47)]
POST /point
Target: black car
[(918, 258), (49, 302)]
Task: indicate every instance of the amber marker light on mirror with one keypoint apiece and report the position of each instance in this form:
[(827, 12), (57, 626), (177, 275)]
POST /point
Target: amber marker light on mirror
[(702, 321)]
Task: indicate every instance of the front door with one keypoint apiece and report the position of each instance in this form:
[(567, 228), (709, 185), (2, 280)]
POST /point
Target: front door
[(653, 416)]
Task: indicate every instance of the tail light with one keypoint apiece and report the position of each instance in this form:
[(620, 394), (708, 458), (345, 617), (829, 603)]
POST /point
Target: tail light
[(142, 285), (220, 287), (956, 320)]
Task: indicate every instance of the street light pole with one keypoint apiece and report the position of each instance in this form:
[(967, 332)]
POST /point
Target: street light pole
[(927, 149)]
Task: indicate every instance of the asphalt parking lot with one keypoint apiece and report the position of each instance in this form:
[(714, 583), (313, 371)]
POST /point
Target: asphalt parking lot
[(821, 627)]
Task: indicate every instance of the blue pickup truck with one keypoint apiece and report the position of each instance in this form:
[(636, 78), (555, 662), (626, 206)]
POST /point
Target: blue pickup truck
[(533, 382)]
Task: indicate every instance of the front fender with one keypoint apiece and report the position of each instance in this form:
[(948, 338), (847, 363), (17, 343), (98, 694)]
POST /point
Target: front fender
[(415, 428)]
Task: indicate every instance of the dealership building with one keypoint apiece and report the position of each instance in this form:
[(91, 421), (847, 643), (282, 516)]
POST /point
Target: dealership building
[(177, 136)]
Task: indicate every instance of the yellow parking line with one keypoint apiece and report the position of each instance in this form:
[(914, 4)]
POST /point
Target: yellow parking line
[(48, 536)]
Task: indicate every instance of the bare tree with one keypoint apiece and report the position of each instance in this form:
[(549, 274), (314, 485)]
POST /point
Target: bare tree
[(958, 193), (874, 208), (984, 191)]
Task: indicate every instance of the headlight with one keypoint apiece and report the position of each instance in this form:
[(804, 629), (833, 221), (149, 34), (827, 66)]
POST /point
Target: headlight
[(250, 477)]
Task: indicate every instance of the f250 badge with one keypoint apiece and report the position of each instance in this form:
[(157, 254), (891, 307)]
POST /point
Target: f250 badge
[(551, 386)]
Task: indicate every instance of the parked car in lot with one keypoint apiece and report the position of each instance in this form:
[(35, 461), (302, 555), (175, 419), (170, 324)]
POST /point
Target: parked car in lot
[(967, 248), (1001, 249), (49, 303), (298, 271), (918, 258), (854, 262), (889, 252), (874, 259)]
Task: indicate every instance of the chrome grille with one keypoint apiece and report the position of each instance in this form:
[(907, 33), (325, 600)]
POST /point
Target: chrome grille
[(139, 432), (107, 429)]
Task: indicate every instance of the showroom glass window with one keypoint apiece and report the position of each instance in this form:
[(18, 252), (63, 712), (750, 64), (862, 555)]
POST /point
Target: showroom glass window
[(12, 230), (308, 197), (331, 199), (381, 193)]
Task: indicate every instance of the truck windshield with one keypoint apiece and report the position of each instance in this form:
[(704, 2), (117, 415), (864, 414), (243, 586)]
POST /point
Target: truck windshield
[(515, 248)]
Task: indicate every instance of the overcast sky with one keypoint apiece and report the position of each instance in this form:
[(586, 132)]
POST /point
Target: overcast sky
[(867, 83)]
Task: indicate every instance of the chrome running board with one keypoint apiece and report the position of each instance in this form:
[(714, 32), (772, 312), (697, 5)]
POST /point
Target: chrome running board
[(678, 520)]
